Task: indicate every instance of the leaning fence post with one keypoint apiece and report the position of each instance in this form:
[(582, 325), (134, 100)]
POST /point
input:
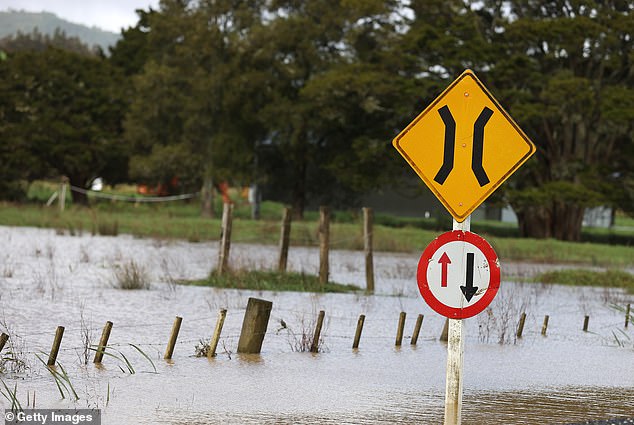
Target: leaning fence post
[(545, 325), (173, 337), (3, 340), (217, 331), (103, 342), (52, 357), (314, 347), (225, 239), (324, 240), (520, 326), (254, 324), (357, 334), (368, 221), (444, 336), (419, 323), (399, 331), (586, 319), (284, 239)]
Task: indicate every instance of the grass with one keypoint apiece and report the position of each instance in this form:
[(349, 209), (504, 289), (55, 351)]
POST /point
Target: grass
[(130, 276), (271, 281), (182, 220), (580, 277)]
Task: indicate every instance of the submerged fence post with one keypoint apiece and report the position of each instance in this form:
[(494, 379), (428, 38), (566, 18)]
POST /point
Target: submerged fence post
[(324, 240), (52, 357), (545, 325), (285, 237), (217, 331), (419, 323), (314, 347), (627, 315), (399, 331), (103, 342), (368, 222), (357, 334), (173, 337), (520, 326), (3, 340), (444, 336), (225, 239), (254, 324), (586, 319)]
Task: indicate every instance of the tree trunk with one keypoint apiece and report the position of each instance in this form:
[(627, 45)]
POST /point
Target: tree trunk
[(207, 198), (534, 221), (567, 221), (299, 191), (560, 221), (78, 198)]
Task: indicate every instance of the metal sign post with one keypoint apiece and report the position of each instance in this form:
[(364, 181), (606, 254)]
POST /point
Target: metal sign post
[(464, 145), (455, 357)]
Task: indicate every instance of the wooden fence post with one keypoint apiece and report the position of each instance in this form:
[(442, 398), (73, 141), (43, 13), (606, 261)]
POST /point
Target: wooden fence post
[(63, 187), (520, 326), (419, 323), (368, 224), (254, 324), (444, 336), (52, 357), (324, 240), (214, 340), (357, 334), (627, 315), (103, 342), (586, 319), (3, 340), (314, 347), (285, 237), (399, 331), (225, 239), (545, 325), (173, 337)]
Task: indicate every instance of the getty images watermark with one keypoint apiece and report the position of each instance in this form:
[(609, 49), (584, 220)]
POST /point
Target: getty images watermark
[(53, 417)]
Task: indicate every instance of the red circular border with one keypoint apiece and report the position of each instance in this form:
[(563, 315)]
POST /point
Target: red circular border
[(494, 270)]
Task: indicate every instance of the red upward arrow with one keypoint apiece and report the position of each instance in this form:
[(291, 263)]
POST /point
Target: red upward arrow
[(444, 260)]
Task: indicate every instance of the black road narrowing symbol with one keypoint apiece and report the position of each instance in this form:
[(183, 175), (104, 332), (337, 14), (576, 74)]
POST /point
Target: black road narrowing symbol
[(450, 145)]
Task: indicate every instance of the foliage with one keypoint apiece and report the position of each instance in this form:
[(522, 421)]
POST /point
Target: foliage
[(272, 281), (60, 115), (582, 277)]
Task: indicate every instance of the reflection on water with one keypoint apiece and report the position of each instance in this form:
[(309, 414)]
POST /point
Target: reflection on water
[(564, 406), (567, 377)]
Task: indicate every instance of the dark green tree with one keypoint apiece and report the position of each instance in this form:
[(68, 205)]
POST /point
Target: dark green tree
[(565, 70), (62, 114)]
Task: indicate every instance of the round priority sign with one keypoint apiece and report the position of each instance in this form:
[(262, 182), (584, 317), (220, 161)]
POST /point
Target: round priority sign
[(458, 274)]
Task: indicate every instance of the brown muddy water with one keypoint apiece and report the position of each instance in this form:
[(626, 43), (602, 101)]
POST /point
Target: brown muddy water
[(47, 280)]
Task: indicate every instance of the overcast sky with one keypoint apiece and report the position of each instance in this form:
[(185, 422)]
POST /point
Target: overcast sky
[(110, 15)]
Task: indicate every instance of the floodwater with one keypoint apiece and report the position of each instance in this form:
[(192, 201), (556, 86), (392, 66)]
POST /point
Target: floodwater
[(48, 280)]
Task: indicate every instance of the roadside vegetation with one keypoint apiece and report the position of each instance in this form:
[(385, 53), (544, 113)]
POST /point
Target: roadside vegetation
[(182, 220), (581, 277), (259, 280)]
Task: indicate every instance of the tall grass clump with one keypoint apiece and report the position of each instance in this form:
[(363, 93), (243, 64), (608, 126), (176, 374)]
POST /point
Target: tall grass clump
[(583, 277), (130, 276)]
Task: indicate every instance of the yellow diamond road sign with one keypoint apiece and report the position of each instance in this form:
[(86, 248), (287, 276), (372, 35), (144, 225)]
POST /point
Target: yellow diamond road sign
[(464, 145)]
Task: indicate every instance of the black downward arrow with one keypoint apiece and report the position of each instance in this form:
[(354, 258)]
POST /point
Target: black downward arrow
[(469, 290)]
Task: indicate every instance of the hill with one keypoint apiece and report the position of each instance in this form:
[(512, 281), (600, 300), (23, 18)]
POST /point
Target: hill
[(13, 21)]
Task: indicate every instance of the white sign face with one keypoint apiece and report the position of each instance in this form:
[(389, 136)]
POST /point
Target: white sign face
[(448, 269), (458, 274)]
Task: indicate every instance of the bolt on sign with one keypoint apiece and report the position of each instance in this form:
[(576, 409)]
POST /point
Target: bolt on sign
[(464, 145)]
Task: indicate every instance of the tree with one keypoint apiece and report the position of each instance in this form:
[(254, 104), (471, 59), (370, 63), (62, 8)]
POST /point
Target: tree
[(333, 102), (62, 114), (191, 94), (565, 69)]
